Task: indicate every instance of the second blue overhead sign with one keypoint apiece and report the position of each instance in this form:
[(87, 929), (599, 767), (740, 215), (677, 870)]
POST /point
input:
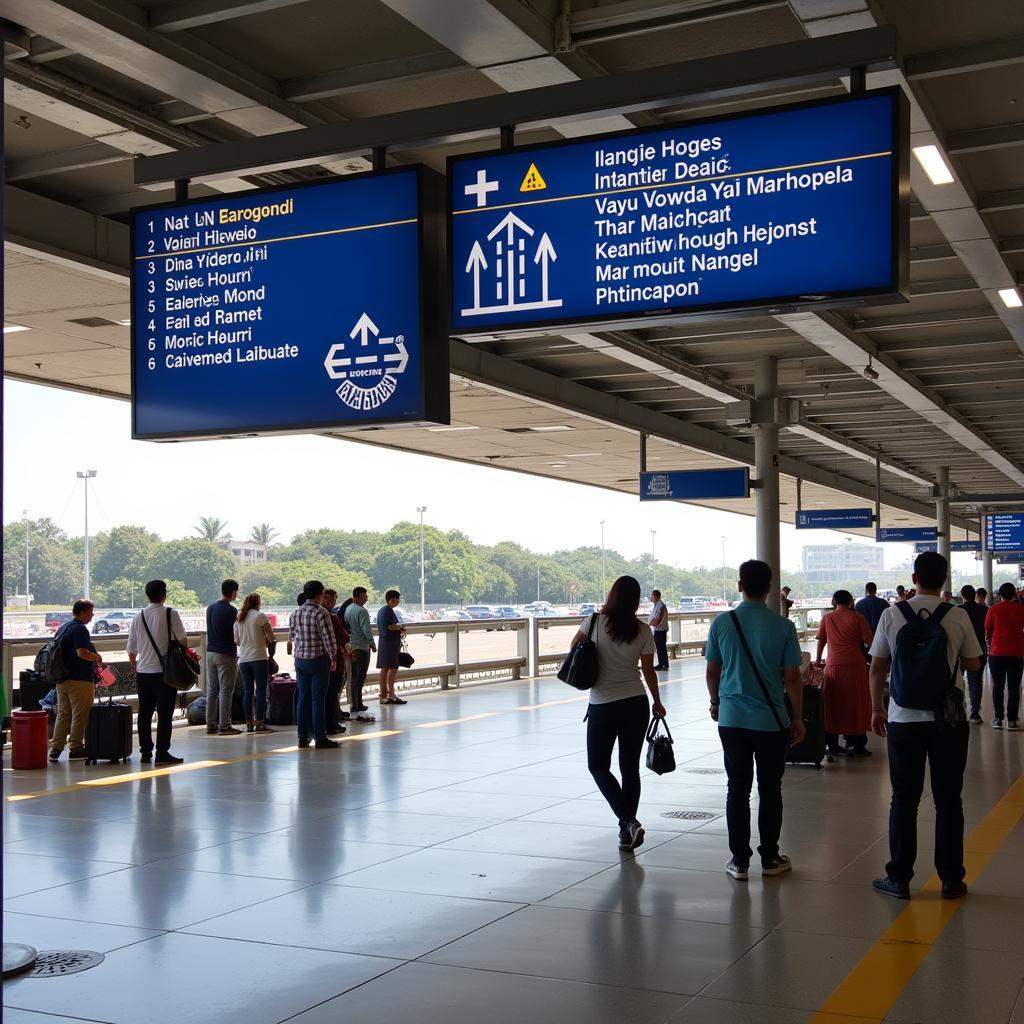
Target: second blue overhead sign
[(793, 206)]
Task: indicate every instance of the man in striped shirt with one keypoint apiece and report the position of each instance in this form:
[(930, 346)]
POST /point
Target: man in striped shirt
[(311, 638)]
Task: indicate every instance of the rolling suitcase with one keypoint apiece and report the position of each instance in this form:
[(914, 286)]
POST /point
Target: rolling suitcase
[(281, 700), (108, 734), (812, 748)]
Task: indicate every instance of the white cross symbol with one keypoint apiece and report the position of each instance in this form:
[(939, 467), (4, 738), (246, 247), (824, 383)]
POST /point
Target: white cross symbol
[(481, 188)]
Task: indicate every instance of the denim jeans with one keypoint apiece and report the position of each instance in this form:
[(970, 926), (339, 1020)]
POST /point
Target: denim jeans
[(311, 676), (254, 677), (221, 680), (976, 686), (1006, 675), (911, 745), (743, 748)]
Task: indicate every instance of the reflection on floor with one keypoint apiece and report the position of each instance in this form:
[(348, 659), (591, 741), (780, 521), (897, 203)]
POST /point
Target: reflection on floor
[(469, 872)]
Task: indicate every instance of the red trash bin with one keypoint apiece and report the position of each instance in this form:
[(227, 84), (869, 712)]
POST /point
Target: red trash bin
[(29, 736)]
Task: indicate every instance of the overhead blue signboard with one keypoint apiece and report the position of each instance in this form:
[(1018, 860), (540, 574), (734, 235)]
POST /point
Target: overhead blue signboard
[(790, 207), (1005, 531), (906, 534), (695, 484), (835, 519), (955, 547), (312, 307), (1010, 558)]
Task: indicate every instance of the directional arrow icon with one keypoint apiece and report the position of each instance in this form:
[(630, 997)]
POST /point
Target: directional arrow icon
[(545, 254), (364, 328), (401, 357), (477, 261), (509, 223)]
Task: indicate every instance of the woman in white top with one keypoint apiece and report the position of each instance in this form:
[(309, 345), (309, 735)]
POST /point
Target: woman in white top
[(253, 634), (619, 709)]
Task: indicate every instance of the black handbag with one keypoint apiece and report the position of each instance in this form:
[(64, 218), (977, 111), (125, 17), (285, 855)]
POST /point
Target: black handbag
[(180, 672), (580, 666), (660, 758), (405, 659)]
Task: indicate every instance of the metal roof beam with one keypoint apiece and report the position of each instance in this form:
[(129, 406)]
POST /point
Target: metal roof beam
[(993, 53), (735, 74), (366, 76), (512, 378), (97, 154), (185, 14), (996, 202), (978, 140), (638, 17)]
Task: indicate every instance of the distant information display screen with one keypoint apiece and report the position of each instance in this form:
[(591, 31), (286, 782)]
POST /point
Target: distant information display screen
[(1005, 532), (291, 309), (797, 205)]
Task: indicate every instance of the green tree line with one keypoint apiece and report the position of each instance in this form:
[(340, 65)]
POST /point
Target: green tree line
[(458, 571)]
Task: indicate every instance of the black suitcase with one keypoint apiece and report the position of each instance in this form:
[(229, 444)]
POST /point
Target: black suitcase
[(108, 734), (812, 748), (281, 700), (32, 688)]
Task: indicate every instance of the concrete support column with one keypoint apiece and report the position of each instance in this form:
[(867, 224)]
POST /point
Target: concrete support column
[(986, 561), (766, 470), (942, 523)]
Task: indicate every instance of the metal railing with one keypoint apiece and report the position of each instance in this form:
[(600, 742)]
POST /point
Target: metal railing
[(530, 646)]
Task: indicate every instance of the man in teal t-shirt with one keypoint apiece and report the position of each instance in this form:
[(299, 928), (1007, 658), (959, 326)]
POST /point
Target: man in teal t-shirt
[(751, 727)]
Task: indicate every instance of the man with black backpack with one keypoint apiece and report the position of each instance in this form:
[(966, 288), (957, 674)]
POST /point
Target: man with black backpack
[(926, 641)]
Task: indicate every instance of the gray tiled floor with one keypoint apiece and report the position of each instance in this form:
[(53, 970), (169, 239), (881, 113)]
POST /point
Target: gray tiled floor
[(470, 872)]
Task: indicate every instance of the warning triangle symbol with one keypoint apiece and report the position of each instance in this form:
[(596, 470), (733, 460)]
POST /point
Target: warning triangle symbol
[(533, 181)]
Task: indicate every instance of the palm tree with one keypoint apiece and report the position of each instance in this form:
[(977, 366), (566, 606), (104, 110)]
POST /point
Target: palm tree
[(211, 528), (262, 533)]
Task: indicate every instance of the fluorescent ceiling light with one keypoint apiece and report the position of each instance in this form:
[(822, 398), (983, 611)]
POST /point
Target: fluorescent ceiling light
[(934, 166), (556, 464), (440, 430), (582, 455), (14, 328), (544, 430), (123, 323), (1010, 296)]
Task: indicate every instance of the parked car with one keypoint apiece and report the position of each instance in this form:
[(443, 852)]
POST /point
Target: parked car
[(112, 622), (456, 614), (533, 607), (506, 611), (54, 620), (541, 613), (589, 608), (480, 611)]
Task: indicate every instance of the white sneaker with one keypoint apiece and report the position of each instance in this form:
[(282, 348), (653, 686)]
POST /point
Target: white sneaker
[(776, 866)]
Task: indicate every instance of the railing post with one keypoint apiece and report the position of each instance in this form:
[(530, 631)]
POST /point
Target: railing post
[(522, 649), (452, 654), (534, 646), (8, 670), (675, 632)]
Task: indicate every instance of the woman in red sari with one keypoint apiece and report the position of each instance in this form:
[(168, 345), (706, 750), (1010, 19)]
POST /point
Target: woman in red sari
[(847, 635)]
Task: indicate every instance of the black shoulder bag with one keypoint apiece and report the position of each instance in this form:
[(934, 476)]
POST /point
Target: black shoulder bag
[(764, 687), (660, 758), (580, 666), (179, 671)]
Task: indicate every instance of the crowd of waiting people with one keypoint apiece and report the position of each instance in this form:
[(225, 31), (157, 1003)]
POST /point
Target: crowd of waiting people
[(896, 670)]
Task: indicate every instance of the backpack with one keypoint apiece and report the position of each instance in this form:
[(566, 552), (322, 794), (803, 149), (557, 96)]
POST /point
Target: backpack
[(921, 676), (49, 661)]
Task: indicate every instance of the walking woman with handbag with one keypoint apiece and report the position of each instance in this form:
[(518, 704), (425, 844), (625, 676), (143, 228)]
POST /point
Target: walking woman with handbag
[(619, 709)]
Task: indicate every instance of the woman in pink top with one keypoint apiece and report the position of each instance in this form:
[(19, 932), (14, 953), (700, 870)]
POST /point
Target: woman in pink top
[(1004, 631), (847, 635)]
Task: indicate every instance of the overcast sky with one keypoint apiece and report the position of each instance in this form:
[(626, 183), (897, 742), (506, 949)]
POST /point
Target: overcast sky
[(51, 434)]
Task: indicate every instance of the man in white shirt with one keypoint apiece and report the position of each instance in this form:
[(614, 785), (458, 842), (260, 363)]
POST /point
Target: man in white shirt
[(658, 622), (148, 641), (916, 737)]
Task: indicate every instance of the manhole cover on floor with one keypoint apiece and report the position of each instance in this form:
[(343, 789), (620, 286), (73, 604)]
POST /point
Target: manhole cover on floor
[(706, 771), (56, 963), (690, 815)]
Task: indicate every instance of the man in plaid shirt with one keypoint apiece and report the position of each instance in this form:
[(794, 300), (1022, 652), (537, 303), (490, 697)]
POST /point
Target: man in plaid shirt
[(311, 638)]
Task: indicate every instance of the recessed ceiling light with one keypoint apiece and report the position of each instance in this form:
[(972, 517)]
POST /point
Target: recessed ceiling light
[(1011, 298), (14, 328), (934, 165), (553, 427), (555, 464), (440, 430), (582, 455), (123, 323)]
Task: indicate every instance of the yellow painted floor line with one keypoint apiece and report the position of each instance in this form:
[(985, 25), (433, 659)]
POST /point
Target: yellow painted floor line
[(457, 721), (871, 989)]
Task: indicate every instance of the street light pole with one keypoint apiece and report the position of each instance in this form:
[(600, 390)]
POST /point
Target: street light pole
[(24, 516), (604, 588), (423, 575), (538, 581), (88, 475), (654, 564), (725, 584)]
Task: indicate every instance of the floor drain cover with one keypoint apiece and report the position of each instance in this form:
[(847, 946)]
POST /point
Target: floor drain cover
[(56, 963), (690, 815), (706, 771)]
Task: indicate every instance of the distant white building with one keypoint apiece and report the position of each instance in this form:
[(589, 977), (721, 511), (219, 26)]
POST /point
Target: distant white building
[(839, 563), (248, 552)]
